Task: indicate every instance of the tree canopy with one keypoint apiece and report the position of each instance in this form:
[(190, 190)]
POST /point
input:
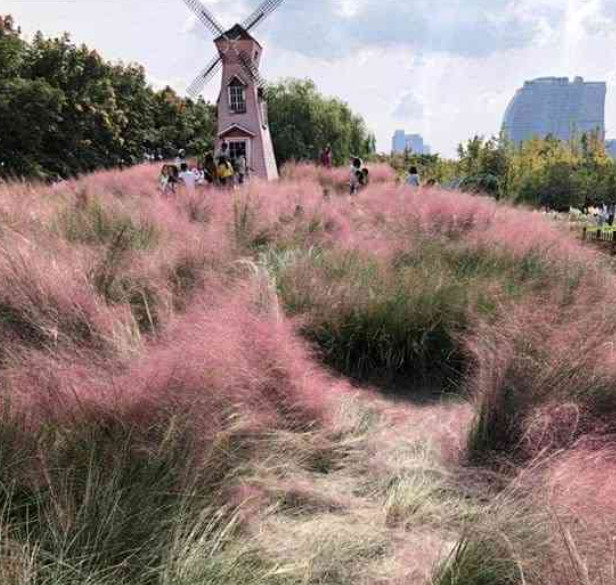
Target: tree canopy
[(542, 171), (303, 123), (65, 110)]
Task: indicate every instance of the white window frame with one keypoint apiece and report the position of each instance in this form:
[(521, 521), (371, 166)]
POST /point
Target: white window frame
[(232, 100)]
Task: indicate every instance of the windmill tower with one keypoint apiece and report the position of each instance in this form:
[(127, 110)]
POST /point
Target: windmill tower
[(242, 109)]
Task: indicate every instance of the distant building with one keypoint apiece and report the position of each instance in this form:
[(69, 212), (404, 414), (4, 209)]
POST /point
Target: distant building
[(399, 141), (414, 143), (610, 148), (556, 106)]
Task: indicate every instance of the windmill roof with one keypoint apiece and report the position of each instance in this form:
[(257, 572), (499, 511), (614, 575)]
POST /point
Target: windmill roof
[(236, 127), (238, 33)]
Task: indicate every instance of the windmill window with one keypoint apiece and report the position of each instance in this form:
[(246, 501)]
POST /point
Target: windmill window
[(237, 96)]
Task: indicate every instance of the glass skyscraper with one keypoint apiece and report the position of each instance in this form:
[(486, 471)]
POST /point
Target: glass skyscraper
[(556, 106)]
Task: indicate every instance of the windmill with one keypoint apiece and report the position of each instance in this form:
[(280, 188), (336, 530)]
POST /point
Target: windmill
[(242, 109)]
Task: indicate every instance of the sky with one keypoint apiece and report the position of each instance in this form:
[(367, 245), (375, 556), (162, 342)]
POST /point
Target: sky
[(443, 68)]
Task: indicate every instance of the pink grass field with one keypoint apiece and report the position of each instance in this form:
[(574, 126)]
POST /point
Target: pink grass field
[(181, 319)]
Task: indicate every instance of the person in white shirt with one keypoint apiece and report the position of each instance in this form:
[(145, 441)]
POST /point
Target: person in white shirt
[(181, 157), (413, 177), (188, 178), (199, 173), (240, 169)]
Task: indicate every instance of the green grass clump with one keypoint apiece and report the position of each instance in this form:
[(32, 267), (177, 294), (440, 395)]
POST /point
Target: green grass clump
[(404, 317), (508, 543), (107, 502), (368, 319), (90, 222)]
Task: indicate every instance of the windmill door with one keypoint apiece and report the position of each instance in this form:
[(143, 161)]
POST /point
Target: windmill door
[(239, 147)]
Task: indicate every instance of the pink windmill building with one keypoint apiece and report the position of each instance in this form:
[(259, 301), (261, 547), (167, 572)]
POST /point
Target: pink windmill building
[(242, 108)]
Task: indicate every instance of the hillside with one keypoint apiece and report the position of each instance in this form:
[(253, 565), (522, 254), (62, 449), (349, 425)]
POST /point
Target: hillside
[(273, 386)]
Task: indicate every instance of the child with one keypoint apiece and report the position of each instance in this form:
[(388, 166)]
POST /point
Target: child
[(356, 173), (413, 179), (168, 178), (224, 171), (188, 178), (240, 168)]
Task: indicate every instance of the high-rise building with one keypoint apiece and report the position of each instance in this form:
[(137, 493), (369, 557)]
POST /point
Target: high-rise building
[(610, 148), (412, 142), (398, 143), (556, 106)]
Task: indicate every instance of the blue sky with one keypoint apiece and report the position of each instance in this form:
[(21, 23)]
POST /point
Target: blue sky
[(443, 68)]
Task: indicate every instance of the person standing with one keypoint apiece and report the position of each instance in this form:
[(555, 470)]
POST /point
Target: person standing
[(181, 157), (611, 211), (199, 174), (209, 168), (327, 157), (168, 178), (240, 169), (413, 177), (355, 175), (163, 180), (223, 150), (188, 178), (224, 171)]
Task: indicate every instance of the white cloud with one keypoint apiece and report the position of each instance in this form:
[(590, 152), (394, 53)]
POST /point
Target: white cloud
[(409, 107)]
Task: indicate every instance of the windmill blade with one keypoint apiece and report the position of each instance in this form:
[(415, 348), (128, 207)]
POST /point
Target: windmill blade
[(261, 13), (251, 69), (205, 16), (196, 87)]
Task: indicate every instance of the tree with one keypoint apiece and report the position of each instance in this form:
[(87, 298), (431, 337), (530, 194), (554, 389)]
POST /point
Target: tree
[(65, 110), (30, 113), (11, 48), (303, 122)]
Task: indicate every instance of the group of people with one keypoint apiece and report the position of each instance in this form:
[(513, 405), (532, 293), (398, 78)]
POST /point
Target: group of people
[(224, 171), (221, 171), (600, 215)]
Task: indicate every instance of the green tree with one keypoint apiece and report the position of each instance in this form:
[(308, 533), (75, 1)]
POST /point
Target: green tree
[(30, 114), (303, 122), (65, 110), (11, 48)]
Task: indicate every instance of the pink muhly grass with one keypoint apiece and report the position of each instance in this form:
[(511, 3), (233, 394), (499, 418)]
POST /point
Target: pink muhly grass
[(223, 358), (226, 369), (541, 374), (336, 178), (140, 181), (581, 487), (46, 299)]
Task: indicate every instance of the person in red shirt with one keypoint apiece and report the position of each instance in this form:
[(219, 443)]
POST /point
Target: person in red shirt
[(327, 157)]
